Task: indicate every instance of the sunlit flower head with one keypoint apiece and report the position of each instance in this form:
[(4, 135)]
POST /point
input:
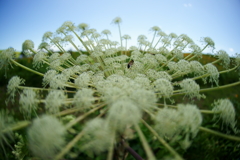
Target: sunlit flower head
[(47, 35), (48, 76), (69, 25), (190, 88), (38, 59), (83, 26), (155, 28), (213, 72), (117, 20), (12, 87), (226, 112), (6, 56), (44, 45), (27, 46), (221, 54), (209, 41)]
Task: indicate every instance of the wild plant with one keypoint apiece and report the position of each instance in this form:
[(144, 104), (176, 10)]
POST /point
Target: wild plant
[(98, 102)]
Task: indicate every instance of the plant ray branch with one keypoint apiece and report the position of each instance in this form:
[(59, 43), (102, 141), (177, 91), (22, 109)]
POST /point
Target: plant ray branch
[(145, 144), (70, 124), (161, 140), (230, 137)]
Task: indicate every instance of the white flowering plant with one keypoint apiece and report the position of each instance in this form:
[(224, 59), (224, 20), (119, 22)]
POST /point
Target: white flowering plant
[(97, 103)]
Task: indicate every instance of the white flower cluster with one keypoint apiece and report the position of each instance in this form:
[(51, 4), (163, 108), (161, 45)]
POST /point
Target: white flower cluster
[(45, 136), (227, 113), (28, 102), (12, 87), (126, 81), (185, 120)]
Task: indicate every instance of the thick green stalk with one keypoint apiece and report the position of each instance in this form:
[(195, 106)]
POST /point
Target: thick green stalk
[(145, 144), (26, 68), (234, 138), (71, 123), (17, 126), (69, 146), (111, 147), (161, 140)]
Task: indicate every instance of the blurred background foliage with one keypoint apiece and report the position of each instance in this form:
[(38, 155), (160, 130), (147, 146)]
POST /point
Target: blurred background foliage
[(204, 146)]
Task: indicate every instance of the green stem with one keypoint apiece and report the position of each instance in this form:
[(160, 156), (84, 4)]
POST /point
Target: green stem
[(216, 61), (153, 39), (26, 68), (202, 111), (75, 47), (71, 123), (196, 54), (220, 87), (17, 126), (120, 34), (157, 42), (209, 89), (69, 146), (235, 138), (225, 71), (80, 39), (145, 144), (111, 147), (161, 140)]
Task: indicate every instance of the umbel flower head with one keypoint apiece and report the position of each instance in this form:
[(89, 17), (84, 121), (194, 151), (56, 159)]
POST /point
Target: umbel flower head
[(45, 136), (27, 46), (97, 137), (227, 113), (186, 120), (5, 57), (13, 87), (28, 102)]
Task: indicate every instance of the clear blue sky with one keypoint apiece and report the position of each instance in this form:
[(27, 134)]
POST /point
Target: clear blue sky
[(30, 19)]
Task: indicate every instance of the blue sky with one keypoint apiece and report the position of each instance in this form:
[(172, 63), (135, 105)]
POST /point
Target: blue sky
[(30, 19)]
